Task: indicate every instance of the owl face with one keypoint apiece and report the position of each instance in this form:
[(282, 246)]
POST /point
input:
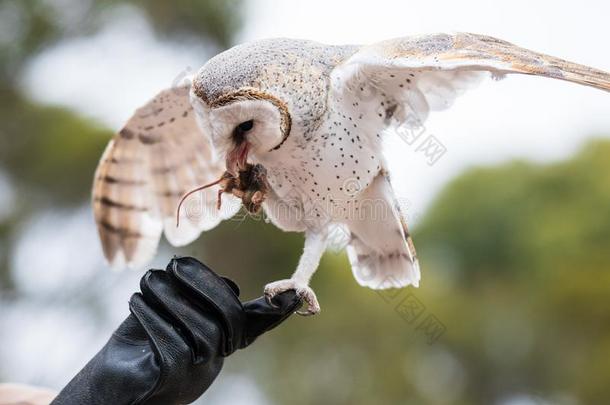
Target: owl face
[(243, 123), (252, 95)]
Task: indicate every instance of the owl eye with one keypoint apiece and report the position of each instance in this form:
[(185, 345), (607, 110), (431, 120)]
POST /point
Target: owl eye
[(245, 126)]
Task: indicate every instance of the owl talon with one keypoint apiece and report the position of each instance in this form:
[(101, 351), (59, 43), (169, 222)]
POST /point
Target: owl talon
[(303, 291), (309, 312), (268, 298)]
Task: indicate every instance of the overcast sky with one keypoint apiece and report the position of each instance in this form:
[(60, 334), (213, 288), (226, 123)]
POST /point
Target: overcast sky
[(519, 117)]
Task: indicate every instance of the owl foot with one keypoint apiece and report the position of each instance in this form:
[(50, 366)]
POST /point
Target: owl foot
[(302, 290)]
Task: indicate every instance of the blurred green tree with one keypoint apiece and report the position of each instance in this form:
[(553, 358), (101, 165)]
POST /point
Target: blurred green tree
[(31, 25)]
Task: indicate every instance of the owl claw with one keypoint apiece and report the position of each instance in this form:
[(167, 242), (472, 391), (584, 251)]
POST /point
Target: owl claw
[(303, 291), (268, 298), (309, 312)]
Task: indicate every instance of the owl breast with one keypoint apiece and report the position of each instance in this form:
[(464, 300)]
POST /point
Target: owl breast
[(317, 179)]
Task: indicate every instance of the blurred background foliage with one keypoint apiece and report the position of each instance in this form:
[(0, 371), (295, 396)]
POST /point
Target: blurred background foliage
[(30, 25), (515, 256)]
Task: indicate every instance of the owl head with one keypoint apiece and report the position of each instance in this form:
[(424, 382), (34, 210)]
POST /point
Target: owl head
[(252, 99)]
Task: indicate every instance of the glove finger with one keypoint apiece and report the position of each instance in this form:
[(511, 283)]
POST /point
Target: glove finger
[(212, 289), (262, 317), (231, 284), (200, 326), (169, 347)]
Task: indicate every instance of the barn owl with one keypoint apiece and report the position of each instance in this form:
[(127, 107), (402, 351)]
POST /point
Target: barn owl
[(314, 117)]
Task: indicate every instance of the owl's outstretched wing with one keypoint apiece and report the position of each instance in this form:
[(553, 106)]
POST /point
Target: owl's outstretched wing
[(158, 156), (426, 73), (401, 80)]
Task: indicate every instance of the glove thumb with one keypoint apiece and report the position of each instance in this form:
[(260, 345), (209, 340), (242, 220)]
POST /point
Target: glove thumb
[(262, 316)]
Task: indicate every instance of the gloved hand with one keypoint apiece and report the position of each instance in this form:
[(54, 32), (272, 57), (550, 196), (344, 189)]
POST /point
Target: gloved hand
[(171, 348)]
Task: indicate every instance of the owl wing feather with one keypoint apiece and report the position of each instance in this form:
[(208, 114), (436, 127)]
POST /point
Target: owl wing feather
[(408, 78), (158, 156), (380, 249), (426, 73)]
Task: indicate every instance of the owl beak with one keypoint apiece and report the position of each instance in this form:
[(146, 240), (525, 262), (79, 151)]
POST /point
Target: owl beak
[(237, 158)]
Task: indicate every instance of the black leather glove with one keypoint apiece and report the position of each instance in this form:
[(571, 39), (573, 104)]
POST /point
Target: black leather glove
[(171, 348)]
